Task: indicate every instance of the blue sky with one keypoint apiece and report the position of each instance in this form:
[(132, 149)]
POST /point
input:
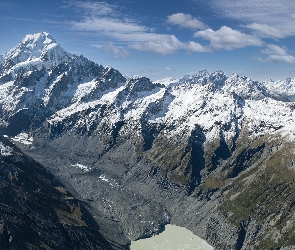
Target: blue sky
[(164, 38)]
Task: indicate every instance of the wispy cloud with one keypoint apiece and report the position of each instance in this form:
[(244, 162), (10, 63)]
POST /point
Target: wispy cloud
[(272, 18), (263, 11), (107, 25), (117, 51), (90, 9), (228, 39), (185, 21), (277, 54), (192, 46), (166, 45), (271, 31), (109, 22), (103, 17), (264, 19)]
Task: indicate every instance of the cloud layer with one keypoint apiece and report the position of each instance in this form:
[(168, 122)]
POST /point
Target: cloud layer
[(185, 21), (258, 20), (271, 31), (117, 51), (270, 18), (228, 39), (277, 54)]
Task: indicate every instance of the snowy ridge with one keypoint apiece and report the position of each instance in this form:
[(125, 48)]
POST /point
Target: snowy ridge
[(284, 89), (216, 103), (194, 78), (55, 87)]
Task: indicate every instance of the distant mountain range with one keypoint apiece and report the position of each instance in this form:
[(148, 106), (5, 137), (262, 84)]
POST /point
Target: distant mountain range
[(210, 152)]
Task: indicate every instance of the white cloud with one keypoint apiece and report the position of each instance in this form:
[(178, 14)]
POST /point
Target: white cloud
[(277, 54), (88, 8), (118, 51), (196, 47), (268, 17), (274, 49), (262, 11), (104, 19), (97, 8), (136, 36), (107, 25), (166, 45), (228, 39), (270, 31), (139, 37), (110, 23), (185, 21)]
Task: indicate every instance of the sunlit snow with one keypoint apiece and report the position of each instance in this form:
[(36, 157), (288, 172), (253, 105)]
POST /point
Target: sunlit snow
[(80, 166), (5, 150), (23, 138)]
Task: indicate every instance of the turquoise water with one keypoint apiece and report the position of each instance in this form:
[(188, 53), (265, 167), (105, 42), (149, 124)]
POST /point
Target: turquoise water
[(173, 238)]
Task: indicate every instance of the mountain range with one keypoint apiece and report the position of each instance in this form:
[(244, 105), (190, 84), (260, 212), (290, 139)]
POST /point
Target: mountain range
[(210, 152)]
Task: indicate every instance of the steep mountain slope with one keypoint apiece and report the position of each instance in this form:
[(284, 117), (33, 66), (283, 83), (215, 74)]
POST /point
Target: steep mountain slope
[(210, 152), (37, 212)]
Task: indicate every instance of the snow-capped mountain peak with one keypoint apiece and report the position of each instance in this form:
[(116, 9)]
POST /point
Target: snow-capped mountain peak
[(41, 72), (195, 77), (34, 39), (32, 51)]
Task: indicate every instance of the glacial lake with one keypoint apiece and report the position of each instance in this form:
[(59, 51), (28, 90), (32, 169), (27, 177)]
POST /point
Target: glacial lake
[(173, 238)]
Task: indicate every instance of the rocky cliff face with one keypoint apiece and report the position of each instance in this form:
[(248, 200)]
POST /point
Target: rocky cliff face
[(37, 211), (210, 152)]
